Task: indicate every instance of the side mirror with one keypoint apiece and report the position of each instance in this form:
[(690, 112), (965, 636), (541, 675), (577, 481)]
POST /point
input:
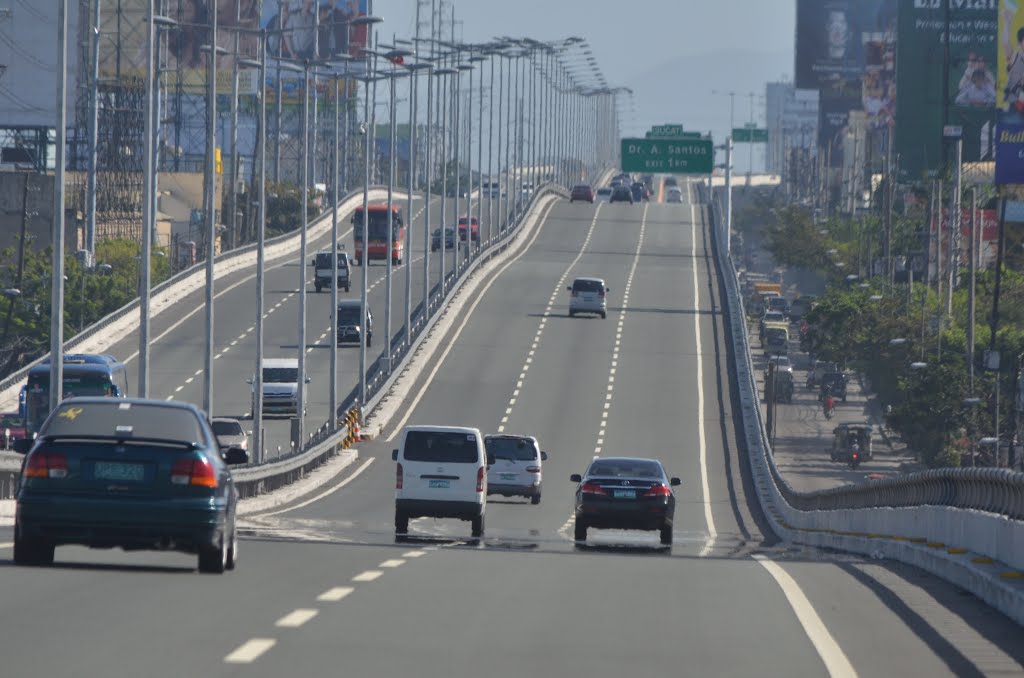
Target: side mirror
[(490, 459), (607, 289), (675, 482), (233, 456), (249, 380), (576, 478), (307, 380), (543, 456), (22, 445), (569, 288), (394, 455)]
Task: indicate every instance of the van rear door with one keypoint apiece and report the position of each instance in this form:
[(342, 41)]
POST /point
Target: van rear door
[(440, 465)]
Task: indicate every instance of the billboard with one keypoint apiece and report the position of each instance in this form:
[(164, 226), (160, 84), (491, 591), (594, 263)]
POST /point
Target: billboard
[(1010, 94), (28, 58), (845, 49), (311, 29), (930, 95)]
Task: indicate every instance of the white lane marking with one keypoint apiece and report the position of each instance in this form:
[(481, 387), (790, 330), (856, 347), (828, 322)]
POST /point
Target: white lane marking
[(836, 662), (178, 390), (335, 594), (414, 554), (369, 575), (250, 651), (190, 380), (393, 563), (704, 483), (296, 618), (320, 496), (465, 321)]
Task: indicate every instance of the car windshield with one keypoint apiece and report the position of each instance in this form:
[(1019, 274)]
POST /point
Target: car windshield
[(773, 316), (226, 428), (515, 449), (123, 419), (280, 375), (441, 447), (587, 286), (324, 260), (625, 468)]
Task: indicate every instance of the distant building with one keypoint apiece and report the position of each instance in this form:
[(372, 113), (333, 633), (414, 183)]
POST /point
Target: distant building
[(792, 124)]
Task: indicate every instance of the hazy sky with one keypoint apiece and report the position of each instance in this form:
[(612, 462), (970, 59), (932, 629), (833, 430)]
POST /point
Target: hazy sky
[(673, 53)]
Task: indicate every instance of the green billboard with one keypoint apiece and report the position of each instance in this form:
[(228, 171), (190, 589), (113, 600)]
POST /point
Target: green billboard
[(930, 95)]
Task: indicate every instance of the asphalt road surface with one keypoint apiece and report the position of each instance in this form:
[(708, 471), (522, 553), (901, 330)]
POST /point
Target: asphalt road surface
[(324, 589)]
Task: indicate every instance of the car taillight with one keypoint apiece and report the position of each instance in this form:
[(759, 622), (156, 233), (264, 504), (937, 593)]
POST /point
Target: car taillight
[(194, 471), (592, 488), (46, 465), (658, 491), (855, 456), (480, 478), (533, 469), (398, 477)]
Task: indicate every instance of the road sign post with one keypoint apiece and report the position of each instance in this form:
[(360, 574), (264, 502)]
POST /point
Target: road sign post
[(670, 156)]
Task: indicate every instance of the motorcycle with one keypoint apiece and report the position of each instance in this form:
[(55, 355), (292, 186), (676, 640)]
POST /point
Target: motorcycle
[(828, 406), (854, 460)]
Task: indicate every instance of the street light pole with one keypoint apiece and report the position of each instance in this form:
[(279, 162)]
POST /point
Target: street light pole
[(303, 242), (94, 110), (57, 281), (211, 206), (148, 216), (261, 139)]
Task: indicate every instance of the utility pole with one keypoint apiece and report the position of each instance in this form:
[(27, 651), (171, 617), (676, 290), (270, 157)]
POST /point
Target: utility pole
[(57, 282)]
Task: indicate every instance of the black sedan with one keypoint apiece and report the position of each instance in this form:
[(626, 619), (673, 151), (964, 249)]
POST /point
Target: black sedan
[(449, 239), (133, 473), (625, 493), (622, 194)]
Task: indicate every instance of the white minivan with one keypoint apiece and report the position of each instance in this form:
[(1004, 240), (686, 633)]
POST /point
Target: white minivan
[(280, 387), (441, 472)]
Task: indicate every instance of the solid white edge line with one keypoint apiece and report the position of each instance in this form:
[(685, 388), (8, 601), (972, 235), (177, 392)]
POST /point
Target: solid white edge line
[(465, 321), (704, 483), (327, 493), (250, 651), (296, 618), (836, 662)]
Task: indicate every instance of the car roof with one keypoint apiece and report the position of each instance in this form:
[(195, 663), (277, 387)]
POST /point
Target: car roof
[(281, 362), (443, 429), (349, 302), (600, 280), (511, 436), (231, 419)]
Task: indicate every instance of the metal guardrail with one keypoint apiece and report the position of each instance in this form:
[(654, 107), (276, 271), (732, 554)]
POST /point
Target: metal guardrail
[(133, 306), (998, 491)]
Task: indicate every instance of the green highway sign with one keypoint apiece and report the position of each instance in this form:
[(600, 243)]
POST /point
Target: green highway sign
[(681, 135), (749, 135), (671, 156), (665, 132)]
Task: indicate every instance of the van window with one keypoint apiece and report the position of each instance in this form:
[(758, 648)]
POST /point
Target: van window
[(515, 449), (441, 447), (280, 375), (587, 286)]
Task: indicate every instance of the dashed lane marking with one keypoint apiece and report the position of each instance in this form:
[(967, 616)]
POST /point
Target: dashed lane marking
[(296, 618), (250, 651), (369, 575), (335, 594)]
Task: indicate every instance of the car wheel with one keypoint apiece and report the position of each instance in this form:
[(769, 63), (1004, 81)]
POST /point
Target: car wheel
[(369, 341), (401, 522), (580, 531), (572, 313), (666, 534), (346, 288), (478, 526), (535, 499), (232, 561), (318, 288), (603, 315), (28, 551), (213, 559)]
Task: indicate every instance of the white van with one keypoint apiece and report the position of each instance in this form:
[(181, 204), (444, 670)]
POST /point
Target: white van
[(441, 473), (280, 387)]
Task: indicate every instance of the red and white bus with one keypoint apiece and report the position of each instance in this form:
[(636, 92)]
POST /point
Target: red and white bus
[(380, 245)]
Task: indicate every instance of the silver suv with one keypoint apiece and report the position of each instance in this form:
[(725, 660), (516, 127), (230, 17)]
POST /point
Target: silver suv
[(588, 296)]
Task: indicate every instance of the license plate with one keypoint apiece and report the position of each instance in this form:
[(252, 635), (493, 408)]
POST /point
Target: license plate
[(507, 476), (108, 470), (624, 494), (440, 484)]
